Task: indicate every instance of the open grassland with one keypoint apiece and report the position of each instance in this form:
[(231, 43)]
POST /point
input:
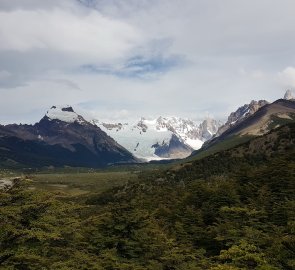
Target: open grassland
[(80, 183)]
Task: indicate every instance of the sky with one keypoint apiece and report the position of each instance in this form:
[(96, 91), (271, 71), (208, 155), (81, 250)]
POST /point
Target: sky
[(123, 59)]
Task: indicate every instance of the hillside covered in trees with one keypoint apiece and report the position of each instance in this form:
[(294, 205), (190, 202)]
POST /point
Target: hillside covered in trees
[(231, 210)]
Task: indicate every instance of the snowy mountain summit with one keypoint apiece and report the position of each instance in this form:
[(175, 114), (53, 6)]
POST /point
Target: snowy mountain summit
[(64, 114), (191, 132), (289, 95), (163, 137)]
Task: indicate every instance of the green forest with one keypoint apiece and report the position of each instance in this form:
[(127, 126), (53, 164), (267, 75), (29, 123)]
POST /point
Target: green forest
[(232, 210)]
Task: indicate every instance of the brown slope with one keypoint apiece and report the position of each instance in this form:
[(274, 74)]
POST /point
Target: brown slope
[(266, 118)]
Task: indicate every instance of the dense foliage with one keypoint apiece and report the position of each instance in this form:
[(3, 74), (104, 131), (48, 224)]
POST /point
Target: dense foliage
[(228, 211)]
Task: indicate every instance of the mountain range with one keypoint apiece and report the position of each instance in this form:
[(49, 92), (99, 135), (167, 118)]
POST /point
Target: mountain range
[(64, 138), (163, 137)]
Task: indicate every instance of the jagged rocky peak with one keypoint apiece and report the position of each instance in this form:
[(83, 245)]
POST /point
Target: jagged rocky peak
[(246, 110), (242, 113), (289, 95), (176, 124), (256, 105), (64, 113), (208, 128)]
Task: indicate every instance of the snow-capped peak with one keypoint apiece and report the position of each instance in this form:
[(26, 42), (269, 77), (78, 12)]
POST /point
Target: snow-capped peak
[(145, 137), (64, 114), (289, 95)]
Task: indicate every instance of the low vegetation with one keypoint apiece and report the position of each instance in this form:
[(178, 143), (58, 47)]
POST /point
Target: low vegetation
[(228, 211)]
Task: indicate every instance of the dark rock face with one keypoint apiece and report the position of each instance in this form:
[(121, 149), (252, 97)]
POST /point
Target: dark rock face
[(57, 143), (67, 109), (173, 149)]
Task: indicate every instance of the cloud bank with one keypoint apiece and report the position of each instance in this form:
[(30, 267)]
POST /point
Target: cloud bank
[(124, 59)]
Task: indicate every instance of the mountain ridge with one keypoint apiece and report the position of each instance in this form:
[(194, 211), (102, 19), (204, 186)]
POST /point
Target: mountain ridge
[(76, 142), (266, 118), (144, 136)]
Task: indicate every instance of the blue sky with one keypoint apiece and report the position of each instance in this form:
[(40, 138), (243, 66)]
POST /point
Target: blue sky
[(120, 59)]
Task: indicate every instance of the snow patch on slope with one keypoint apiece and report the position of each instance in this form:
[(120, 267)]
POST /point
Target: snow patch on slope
[(138, 137), (195, 144)]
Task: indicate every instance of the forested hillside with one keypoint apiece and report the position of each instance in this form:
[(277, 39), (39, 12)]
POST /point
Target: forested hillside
[(231, 210)]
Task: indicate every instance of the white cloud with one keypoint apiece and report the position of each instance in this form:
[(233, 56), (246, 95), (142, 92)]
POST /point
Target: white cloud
[(90, 35), (231, 52)]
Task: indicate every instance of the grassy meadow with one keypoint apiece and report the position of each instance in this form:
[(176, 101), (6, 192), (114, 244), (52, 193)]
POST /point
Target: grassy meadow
[(76, 183)]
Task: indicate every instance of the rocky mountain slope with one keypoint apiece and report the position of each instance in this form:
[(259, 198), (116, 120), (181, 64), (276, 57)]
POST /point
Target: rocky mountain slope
[(61, 138), (164, 137), (255, 119), (240, 114)]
